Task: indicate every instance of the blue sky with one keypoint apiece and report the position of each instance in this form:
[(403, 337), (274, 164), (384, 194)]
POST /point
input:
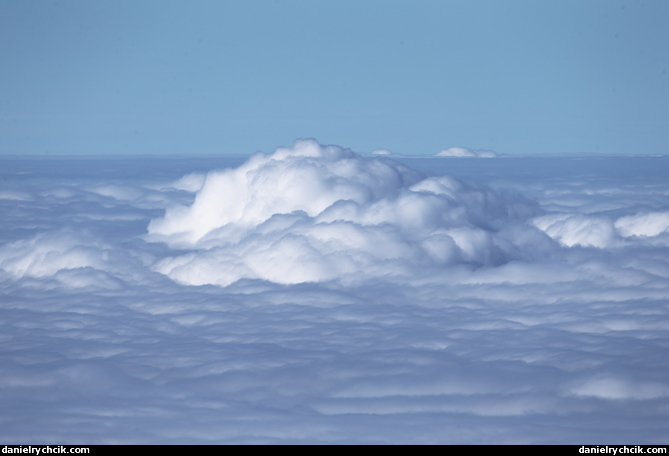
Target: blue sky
[(168, 77)]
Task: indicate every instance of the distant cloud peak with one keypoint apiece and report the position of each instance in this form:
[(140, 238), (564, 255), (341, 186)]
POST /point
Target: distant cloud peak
[(465, 152)]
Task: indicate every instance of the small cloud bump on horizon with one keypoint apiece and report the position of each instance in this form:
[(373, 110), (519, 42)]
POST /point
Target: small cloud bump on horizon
[(316, 295), (463, 152)]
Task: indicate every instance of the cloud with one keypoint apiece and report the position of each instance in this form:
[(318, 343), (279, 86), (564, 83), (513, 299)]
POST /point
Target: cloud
[(382, 152), (315, 213), (315, 296), (47, 253), (464, 152), (15, 195), (578, 229), (192, 182), (644, 224), (603, 232), (613, 387)]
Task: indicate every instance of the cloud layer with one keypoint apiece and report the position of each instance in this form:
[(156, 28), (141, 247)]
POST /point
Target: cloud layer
[(312, 295)]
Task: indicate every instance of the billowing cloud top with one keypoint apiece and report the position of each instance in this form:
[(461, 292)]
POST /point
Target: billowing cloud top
[(464, 152), (314, 213)]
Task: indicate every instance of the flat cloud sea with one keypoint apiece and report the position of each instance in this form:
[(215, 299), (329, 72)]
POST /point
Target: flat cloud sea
[(315, 295)]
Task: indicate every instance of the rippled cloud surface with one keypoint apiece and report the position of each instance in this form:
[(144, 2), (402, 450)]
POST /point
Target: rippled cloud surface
[(314, 295)]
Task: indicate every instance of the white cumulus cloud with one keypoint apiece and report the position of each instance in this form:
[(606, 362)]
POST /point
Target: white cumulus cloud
[(314, 213)]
